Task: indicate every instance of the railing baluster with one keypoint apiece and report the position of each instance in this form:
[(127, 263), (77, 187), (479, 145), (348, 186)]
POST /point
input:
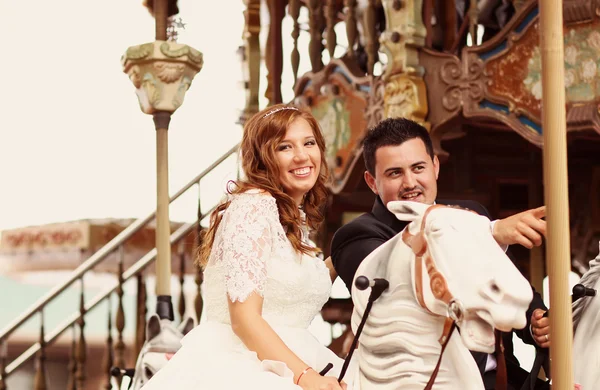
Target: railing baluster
[(351, 27), (252, 57), (72, 367), (473, 15), (120, 319), (428, 10), (182, 257), (330, 18), (141, 310), (198, 301), (372, 45), (315, 46), (109, 357), (294, 10), (39, 381), (81, 345), (3, 357), (274, 52)]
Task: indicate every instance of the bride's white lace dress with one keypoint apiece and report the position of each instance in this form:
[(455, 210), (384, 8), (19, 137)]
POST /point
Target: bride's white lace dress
[(251, 253)]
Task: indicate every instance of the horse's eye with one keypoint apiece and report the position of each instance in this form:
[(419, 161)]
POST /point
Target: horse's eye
[(148, 372), (434, 228)]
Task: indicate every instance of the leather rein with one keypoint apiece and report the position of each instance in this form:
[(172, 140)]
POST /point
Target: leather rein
[(439, 288)]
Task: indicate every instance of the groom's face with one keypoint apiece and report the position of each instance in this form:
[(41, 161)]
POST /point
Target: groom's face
[(405, 172)]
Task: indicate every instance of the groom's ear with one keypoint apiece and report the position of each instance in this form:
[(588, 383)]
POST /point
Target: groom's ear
[(370, 180), (407, 211)]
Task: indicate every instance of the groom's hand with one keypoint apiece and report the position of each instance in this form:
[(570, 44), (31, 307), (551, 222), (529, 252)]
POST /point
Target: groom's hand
[(540, 328), (525, 228)]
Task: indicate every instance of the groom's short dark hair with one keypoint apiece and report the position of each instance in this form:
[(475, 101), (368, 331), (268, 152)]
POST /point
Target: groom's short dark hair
[(392, 132)]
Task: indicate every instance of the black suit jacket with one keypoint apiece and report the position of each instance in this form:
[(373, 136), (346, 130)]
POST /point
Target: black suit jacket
[(353, 242)]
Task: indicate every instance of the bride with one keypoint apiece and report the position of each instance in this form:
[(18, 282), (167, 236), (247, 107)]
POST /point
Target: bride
[(263, 283)]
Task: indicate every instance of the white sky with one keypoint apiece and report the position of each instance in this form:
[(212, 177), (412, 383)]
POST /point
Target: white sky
[(73, 142)]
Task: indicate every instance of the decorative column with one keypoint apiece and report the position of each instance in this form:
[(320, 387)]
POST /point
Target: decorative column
[(162, 72), (404, 91)]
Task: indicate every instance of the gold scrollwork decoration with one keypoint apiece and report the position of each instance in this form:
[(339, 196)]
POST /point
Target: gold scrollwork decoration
[(374, 112), (403, 37), (405, 96)]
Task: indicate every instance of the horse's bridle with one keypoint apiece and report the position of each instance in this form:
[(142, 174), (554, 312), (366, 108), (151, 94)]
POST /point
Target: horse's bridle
[(439, 288), (438, 284)]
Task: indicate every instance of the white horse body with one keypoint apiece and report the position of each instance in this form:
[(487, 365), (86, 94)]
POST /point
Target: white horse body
[(586, 341), (399, 346), (163, 339)]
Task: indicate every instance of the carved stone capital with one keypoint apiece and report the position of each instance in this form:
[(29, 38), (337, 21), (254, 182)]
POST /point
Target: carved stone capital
[(403, 37), (161, 72), (406, 96)]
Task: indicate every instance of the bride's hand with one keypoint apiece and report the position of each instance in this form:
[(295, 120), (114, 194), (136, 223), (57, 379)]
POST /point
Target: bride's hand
[(313, 381)]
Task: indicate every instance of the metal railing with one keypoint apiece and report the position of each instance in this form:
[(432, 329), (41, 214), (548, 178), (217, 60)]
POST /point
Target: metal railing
[(94, 260)]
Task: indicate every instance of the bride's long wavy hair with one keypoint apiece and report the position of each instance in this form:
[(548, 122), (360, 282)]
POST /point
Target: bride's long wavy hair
[(262, 134)]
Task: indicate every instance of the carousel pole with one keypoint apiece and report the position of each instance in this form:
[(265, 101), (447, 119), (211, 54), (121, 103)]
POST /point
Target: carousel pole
[(162, 71), (164, 304), (556, 193)]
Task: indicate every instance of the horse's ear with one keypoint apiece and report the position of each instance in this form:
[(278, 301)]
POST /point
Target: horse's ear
[(153, 327), (407, 211), (186, 325)]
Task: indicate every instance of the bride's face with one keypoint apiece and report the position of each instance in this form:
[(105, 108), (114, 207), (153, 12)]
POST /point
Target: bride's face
[(299, 159)]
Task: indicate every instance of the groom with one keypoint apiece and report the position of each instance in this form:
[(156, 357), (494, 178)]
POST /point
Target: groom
[(400, 164)]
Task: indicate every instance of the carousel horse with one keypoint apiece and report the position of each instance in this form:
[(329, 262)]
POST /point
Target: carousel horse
[(444, 270), (586, 327), (163, 339)]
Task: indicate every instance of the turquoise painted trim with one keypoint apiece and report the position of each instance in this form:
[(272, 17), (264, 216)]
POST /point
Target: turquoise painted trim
[(494, 51), (532, 15), (493, 106), (531, 124), (502, 46), (504, 109)]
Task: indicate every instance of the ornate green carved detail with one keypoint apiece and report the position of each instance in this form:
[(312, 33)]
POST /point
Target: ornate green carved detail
[(139, 52), (181, 90), (193, 54), (152, 87)]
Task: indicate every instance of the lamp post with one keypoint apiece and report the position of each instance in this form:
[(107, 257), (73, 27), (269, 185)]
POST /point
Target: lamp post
[(162, 72)]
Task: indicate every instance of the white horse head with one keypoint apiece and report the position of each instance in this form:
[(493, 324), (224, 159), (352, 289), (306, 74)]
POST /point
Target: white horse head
[(163, 339), (586, 321), (445, 263)]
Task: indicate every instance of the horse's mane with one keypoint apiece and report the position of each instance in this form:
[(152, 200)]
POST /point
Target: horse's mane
[(589, 279)]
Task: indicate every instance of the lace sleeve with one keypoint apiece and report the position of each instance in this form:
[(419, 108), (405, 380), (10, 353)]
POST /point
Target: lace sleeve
[(246, 238)]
